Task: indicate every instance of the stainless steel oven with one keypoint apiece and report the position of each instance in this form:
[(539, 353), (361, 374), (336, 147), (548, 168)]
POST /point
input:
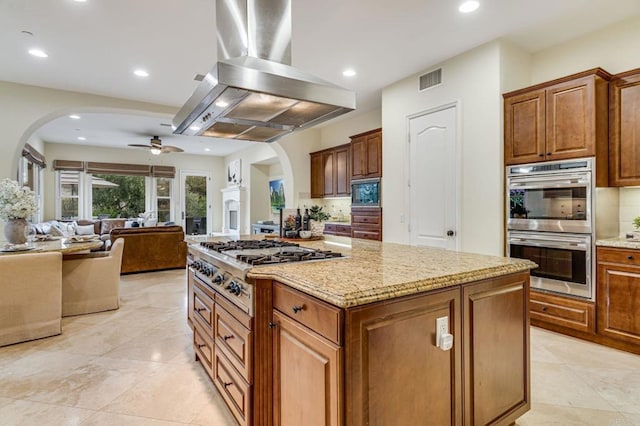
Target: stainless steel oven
[(553, 196), (564, 260)]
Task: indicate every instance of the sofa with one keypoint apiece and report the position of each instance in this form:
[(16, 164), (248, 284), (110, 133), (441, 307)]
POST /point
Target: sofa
[(101, 227), (151, 248)]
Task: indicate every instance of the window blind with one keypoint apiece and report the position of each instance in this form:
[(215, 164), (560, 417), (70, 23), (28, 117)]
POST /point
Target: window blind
[(32, 154)]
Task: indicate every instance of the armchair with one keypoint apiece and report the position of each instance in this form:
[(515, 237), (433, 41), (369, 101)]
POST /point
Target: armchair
[(90, 281), (30, 296)]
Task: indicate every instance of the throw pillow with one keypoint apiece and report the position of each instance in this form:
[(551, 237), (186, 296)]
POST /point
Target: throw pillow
[(128, 224), (55, 231), (151, 222), (84, 230)]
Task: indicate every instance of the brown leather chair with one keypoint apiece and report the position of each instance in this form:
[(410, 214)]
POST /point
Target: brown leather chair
[(91, 281), (30, 296), (152, 249)]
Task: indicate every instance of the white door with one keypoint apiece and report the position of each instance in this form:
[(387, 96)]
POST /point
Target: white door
[(195, 202), (433, 179)]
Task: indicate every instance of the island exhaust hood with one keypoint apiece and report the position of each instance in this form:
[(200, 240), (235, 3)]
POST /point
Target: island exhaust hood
[(253, 93)]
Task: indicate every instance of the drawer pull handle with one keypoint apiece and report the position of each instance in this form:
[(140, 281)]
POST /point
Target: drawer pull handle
[(226, 385), (544, 309), (630, 257), (272, 324), (230, 336), (200, 309), (297, 309), (201, 345)]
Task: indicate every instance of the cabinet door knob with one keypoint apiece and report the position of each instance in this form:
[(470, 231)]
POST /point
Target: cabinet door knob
[(297, 309), (272, 324), (540, 155), (630, 257), (544, 309), (548, 153)]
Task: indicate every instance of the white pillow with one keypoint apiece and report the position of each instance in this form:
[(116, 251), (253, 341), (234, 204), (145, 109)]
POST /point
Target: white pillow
[(55, 231), (128, 223), (151, 222), (84, 230)]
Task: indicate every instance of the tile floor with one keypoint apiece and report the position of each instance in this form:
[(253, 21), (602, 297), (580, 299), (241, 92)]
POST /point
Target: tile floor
[(134, 366)]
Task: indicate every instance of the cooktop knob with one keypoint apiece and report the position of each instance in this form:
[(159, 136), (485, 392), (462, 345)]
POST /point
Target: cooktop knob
[(218, 279)]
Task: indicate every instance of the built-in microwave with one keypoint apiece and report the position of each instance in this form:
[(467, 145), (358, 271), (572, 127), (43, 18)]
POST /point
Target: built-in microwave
[(365, 192)]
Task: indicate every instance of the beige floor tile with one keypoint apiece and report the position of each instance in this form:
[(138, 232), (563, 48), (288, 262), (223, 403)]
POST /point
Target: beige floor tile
[(176, 393), (152, 348), (620, 387), (634, 418), (553, 415), (5, 401), (111, 419), (214, 412), (27, 413), (556, 384)]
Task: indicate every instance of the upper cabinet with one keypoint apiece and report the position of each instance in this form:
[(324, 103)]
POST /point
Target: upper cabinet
[(624, 129), (366, 160), (330, 172), (562, 119)]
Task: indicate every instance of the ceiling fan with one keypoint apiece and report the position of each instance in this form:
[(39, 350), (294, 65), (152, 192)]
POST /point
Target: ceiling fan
[(157, 148)]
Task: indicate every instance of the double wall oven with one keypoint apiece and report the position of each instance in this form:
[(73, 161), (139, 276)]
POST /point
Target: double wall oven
[(550, 221)]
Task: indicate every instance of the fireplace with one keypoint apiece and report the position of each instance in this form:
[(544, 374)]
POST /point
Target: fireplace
[(233, 210)]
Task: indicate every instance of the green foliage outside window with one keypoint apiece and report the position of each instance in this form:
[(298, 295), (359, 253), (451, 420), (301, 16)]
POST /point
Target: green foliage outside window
[(125, 200), (196, 196)]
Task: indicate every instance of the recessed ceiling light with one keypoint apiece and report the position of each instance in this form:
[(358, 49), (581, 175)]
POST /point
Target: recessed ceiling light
[(469, 6), (74, 117), (207, 149), (222, 104), (80, 1), (82, 138), (141, 73), (39, 53), (349, 72)]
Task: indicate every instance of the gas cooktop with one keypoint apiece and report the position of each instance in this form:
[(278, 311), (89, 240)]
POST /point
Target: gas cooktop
[(266, 252)]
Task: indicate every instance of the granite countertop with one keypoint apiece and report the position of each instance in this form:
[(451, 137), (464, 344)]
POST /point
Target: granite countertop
[(619, 242), (338, 222), (372, 271)]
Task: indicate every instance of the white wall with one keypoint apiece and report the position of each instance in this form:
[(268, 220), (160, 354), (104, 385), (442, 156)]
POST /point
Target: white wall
[(211, 164), (337, 132), (473, 80), (259, 194)]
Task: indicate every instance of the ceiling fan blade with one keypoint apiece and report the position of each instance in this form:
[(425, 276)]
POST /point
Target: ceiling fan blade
[(169, 148), (136, 145)]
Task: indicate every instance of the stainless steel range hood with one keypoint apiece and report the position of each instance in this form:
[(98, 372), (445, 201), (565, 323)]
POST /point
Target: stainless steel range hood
[(253, 93)]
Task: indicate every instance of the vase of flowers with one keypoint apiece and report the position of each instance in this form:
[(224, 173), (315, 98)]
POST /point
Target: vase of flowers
[(16, 205), (316, 222)]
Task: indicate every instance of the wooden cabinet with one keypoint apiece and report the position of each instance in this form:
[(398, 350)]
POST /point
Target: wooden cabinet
[(307, 360), (496, 350), (337, 229), (366, 222), (559, 313), (379, 363), (618, 295), (624, 122), (330, 172), (366, 158), (562, 119)]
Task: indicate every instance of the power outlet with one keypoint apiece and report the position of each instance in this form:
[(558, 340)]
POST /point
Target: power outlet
[(442, 328)]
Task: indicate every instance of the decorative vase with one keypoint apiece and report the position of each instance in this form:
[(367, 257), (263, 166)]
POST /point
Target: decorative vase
[(316, 228), (15, 231)]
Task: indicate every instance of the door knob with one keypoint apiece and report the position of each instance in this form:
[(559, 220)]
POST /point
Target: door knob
[(451, 233)]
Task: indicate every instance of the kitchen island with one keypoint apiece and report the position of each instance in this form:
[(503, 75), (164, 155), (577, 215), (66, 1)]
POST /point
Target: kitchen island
[(352, 340)]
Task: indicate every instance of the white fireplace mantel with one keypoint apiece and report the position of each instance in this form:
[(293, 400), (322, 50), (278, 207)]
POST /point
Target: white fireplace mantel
[(234, 199)]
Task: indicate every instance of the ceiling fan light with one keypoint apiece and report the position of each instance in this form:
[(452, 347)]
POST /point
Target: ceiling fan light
[(155, 150)]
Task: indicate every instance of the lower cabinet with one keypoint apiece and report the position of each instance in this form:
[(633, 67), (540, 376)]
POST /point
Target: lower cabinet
[(394, 373), (337, 229), (366, 222), (558, 313), (618, 295)]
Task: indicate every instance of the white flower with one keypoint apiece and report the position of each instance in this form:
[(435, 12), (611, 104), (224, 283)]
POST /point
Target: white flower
[(16, 202)]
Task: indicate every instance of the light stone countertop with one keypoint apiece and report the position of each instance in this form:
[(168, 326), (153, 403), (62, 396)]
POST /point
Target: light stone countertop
[(619, 242), (373, 271)]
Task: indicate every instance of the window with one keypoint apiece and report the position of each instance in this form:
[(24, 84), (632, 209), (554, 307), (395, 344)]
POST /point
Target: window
[(163, 199), (117, 195), (69, 194)]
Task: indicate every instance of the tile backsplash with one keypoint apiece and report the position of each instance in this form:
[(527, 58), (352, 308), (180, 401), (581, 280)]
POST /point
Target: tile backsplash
[(629, 208)]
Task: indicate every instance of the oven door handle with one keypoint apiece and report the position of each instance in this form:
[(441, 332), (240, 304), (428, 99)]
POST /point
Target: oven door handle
[(569, 183), (548, 244)]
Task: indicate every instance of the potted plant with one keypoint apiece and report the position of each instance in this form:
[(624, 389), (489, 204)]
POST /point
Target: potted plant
[(16, 205), (636, 224), (316, 220)]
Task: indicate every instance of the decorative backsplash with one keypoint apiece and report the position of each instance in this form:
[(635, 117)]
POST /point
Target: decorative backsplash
[(629, 208)]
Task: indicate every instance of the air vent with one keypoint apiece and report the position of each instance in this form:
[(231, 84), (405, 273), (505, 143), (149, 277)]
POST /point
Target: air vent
[(198, 77), (431, 79)]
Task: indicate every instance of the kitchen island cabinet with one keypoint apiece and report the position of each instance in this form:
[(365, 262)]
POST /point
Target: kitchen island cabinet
[(350, 345)]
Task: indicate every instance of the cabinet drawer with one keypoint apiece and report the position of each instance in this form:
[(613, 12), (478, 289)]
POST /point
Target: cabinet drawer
[(235, 341), (366, 233), (234, 390), (203, 308), (204, 349), (562, 311), (366, 219), (320, 317), (623, 256)]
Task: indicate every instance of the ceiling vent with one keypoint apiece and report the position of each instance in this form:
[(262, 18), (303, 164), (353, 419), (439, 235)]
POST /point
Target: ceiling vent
[(431, 79)]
